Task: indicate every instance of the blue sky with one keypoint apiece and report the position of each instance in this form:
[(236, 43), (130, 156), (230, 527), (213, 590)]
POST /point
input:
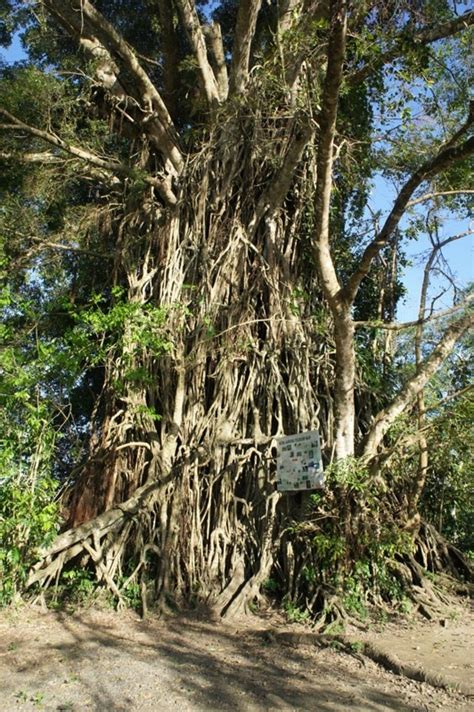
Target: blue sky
[(459, 255), (15, 52)]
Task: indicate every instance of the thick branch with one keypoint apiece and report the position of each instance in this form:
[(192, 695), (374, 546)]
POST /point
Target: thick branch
[(169, 41), (327, 123), (101, 39), (244, 34), (443, 160), (214, 38), (424, 36), (43, 157), (196, 38), (462, 131), (286, 12), (110, 36), (274, 195), (428, 368)]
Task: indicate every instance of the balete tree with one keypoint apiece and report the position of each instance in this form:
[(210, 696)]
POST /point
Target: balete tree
[(193, 269)]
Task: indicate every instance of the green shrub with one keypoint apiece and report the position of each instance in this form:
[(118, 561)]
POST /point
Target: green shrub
[(28, 521), (294, 613)]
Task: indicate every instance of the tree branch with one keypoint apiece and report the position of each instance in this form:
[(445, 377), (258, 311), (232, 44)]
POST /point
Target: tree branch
[(214, 37), (43, 157), (274, 195), (100, 39), (441, 161), (286, 11), (190, 20), (88, 156), (109, 165), (294, 15), (169, 41), (407, 440), (102, 524), (244, 33), (438, 194), (70, 248), (399, 326), (427, 35), (388, 415), (48, 158), (463, 129), (41, 242), (327, 124)]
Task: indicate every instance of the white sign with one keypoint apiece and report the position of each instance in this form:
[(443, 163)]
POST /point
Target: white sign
[(299, 464)]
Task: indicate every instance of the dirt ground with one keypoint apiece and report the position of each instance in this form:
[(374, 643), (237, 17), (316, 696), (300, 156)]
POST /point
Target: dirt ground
[(106, 661)]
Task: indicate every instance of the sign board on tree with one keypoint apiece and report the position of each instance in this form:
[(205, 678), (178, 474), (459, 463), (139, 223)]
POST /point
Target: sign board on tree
[(299, 464)]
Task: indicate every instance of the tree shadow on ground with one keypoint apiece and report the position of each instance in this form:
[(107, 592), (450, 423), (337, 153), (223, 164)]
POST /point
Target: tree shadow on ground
[(104, 661)]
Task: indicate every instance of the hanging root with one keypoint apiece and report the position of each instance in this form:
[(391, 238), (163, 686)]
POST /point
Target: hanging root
[(224, 347), (169, 549), (223, 327), (336, 569)]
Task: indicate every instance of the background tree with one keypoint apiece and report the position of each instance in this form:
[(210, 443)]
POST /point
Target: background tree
[(185, 185)]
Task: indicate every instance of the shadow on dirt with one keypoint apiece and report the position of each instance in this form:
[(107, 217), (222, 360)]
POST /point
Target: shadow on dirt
[(104, 661)]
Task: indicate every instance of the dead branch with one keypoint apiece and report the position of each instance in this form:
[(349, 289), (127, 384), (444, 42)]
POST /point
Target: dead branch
[(400, 326)]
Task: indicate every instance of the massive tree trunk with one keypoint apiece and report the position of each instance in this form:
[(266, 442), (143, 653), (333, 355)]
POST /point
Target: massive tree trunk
[(221, 350), (239, 368)]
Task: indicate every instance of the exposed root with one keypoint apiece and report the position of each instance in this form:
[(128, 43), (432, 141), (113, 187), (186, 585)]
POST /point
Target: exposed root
[(438, 555), (361, 650), (75, 541), (413, 672)]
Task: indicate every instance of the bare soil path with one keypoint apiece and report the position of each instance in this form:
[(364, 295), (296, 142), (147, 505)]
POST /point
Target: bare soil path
[(109, 662)]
